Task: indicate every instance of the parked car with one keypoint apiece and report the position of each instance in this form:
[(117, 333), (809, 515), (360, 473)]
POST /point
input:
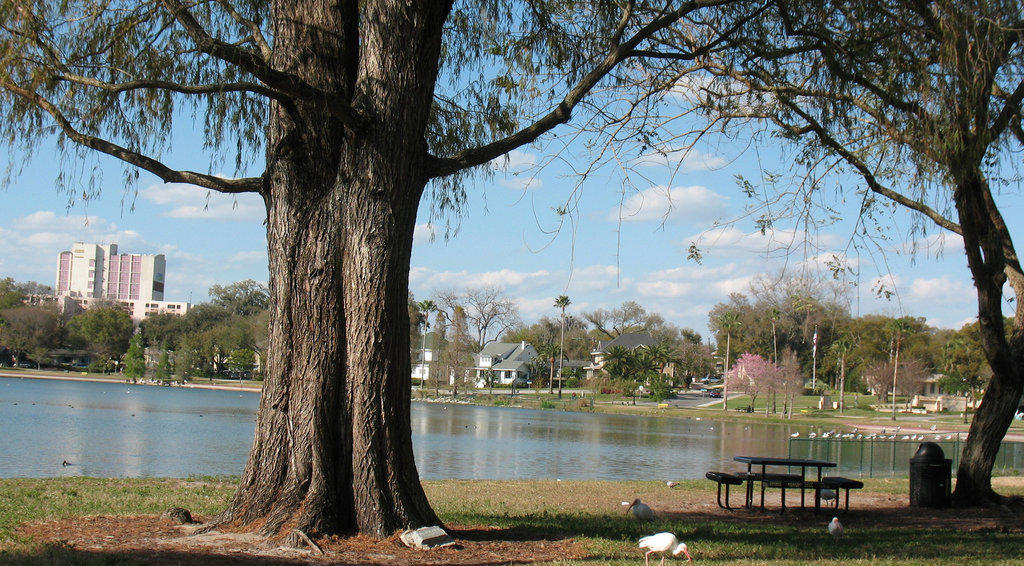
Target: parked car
[(715, 393)]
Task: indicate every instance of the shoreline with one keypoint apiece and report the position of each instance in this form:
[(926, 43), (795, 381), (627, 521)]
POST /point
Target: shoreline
[(902, 428), (125, 381)]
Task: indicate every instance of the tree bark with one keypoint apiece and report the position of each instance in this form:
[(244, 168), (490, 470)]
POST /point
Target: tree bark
[(333, 446), (992, 260)]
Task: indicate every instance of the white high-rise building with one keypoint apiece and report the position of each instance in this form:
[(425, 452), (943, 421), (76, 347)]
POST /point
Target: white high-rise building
[(91, 272), (95, 271)]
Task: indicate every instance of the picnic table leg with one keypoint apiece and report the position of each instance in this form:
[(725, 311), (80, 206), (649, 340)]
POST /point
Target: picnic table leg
[(803, 481), (750, 487), (763, 477), (817, 494)]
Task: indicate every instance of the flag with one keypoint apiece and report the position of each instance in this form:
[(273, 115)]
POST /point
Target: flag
[(815, 340)]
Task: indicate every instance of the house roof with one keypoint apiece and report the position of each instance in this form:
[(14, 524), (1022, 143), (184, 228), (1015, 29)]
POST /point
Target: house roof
[(503, 349), (629, 341), (513, 355)]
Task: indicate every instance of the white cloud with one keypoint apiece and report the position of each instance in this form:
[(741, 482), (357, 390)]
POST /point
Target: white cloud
[(682, 160), (596, 278), (729, 241), (191, 202), (734, 285), (660, 204), (665, 288), (514, 162), (510, 278), (424, 233), (252, 256), (523, 183), (517, 170), (936, 245), (939, 290)]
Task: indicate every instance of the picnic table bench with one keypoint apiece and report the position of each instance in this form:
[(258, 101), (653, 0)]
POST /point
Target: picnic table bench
[(836, 483), (727, 479), (783, 480)]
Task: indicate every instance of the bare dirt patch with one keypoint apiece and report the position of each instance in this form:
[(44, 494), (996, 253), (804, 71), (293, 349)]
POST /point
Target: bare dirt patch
[(159, 542), (155, 541)]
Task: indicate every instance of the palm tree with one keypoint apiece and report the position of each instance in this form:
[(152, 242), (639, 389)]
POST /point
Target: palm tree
[(615, 362), (728, 322), (426, 308), (961, 369), (545, 360), (561, 302), (774, 315), (842, 348), (899, 328)]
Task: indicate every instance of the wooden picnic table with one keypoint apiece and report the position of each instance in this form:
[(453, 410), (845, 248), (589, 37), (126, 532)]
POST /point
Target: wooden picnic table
[(783, 480)]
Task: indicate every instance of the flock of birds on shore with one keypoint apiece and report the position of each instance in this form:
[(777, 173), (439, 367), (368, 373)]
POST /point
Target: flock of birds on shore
[(881, 435), (667, 543)]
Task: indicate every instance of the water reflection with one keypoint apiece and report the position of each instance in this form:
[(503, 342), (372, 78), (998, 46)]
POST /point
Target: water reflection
[(504, 443), (112, 430)]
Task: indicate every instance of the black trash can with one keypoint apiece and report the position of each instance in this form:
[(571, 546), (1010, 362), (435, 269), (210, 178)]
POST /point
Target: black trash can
[(930, 477)]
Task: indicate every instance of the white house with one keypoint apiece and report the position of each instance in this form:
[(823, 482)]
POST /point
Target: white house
[(509, 362), (423, 356)]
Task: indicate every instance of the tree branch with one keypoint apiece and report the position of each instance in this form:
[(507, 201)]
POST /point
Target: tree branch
[(254, 29), (846, 155), (561, 114), (260, 68), (117, 88), (168, 175), (1010, 113)]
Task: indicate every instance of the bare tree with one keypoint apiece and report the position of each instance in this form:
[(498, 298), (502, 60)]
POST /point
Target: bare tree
[(488, 311), (629, 317), (791, 379)]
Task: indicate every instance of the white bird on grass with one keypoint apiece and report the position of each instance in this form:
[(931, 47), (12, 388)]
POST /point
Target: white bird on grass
[(662, 543), (640, 510), (671, 483), (835, 528)]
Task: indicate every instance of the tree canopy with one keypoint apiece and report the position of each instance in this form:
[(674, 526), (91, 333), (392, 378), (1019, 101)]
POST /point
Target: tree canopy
[(921, 104), (360, 108)]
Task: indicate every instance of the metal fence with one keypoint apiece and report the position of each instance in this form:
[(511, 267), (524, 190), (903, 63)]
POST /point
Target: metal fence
[(879, 456)]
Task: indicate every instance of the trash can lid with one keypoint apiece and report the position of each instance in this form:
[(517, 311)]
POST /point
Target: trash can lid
[(929, 452)]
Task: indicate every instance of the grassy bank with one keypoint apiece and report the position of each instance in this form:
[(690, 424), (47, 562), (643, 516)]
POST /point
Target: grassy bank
[(589, 512)]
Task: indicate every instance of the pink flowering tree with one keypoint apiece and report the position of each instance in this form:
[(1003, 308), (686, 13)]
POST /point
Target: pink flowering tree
[(754, 375)]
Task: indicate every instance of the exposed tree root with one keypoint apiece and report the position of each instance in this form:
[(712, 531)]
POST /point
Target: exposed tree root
[(298, 537)]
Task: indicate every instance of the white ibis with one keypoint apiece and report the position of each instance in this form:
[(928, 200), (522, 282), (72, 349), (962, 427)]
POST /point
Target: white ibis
[(640, 510), (835, 528), (662, 543)]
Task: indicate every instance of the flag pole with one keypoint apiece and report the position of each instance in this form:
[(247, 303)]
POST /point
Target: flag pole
[(814, 362)]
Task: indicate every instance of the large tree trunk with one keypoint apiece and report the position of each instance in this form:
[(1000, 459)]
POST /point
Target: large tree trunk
[(992, 260), (333, 447)]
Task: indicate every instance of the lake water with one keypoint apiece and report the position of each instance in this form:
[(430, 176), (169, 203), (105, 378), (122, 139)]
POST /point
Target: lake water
[(111, 430), (120, 430)]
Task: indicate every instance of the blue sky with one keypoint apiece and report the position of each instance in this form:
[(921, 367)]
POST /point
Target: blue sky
[(619, 245)]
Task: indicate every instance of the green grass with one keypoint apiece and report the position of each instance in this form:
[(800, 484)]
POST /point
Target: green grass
[(27, 500), (589, 512)]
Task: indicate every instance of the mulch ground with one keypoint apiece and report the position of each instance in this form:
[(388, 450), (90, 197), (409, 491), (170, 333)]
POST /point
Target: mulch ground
[(156, 541)]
